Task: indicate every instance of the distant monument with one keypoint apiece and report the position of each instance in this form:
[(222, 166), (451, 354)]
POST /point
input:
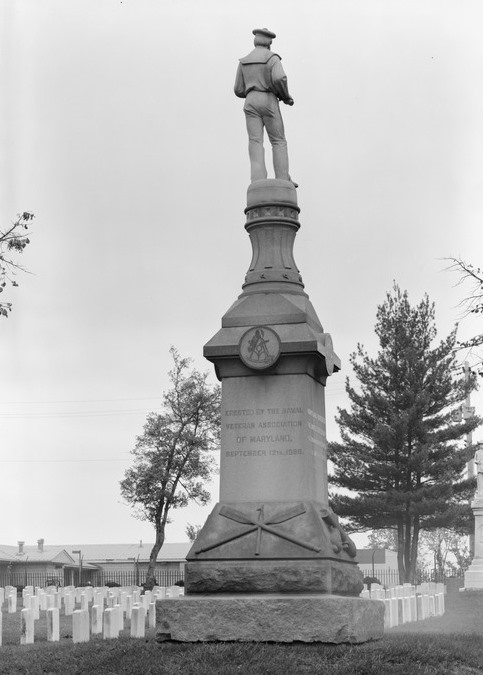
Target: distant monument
[(474, 574), (272, 562)]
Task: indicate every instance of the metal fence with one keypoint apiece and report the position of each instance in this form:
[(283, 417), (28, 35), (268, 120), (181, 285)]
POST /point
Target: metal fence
[(390, 578), (170, 577), (131, 578), (89, 577), (26, 578)]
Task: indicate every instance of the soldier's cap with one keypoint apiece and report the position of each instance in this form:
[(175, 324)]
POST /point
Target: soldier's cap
[(264, 31)]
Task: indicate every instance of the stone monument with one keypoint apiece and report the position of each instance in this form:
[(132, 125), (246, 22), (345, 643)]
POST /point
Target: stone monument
[(272, 562), (474, 574)]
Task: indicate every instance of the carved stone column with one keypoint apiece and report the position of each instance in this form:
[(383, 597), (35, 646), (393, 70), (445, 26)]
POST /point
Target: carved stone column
[(272, 530), (272, 541)]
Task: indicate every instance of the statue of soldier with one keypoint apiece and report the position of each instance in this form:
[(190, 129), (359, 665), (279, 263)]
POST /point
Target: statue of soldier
[(261, 81)]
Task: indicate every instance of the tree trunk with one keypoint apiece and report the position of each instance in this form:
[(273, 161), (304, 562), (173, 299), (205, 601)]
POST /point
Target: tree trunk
[(400, 551), (151, 580), (414, 551), (407, 546)]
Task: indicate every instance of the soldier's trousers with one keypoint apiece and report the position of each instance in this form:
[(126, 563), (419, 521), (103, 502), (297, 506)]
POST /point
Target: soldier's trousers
[(262, 111)]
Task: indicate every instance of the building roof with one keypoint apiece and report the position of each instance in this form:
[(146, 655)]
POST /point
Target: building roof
[(6, 557), (31, 554), (93, 553), (123, 552)]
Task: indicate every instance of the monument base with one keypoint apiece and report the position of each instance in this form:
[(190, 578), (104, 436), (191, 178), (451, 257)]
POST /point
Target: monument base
[(269, 618), (474, 575), (273, 576)]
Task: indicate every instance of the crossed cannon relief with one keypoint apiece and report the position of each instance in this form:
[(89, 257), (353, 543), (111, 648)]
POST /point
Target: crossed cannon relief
[(338, 537)]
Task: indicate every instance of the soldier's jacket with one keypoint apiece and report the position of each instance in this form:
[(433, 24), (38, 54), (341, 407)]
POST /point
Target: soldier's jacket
[(261, 70)]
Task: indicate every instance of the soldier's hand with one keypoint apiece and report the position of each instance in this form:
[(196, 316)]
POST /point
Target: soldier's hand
[(289, 101)]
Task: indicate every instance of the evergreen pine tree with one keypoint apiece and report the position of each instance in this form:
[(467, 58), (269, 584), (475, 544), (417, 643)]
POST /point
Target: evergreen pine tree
[(402, 455)]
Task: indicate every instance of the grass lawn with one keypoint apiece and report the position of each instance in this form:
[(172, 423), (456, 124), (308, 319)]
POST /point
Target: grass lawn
[(449, 645)]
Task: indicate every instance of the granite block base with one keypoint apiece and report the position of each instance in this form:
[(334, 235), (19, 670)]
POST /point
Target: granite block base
[(269, 618), (273, 576), (474, 575)]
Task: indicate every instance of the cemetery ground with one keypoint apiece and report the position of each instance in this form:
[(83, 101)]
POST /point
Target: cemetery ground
[(451, 644)]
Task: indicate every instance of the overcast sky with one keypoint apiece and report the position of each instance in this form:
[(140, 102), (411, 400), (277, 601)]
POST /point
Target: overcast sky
[(122, 134)]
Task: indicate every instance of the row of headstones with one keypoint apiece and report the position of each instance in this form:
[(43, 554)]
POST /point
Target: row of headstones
[(408, 603), (121, 603)]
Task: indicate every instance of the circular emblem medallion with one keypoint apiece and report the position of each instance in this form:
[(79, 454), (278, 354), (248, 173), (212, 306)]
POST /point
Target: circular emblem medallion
[(329, 354), (259, 347)]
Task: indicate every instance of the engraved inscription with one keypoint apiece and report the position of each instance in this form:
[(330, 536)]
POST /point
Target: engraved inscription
[(248, 435)]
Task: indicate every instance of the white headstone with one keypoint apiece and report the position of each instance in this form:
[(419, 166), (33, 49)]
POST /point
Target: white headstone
[(27, 634), (174, 591), (98, 598), (387, 613), (35, 606), (147, 597), (119, 617), (80, 625), (96, 619), (69, 603), (394, 612), (439, 604), (42, 600), (414, 608), (152, 615), (138, 621), (12, 603), (53, 630), (407, 608), (419, 607), (425, 606), (129, 604), (110, 624)]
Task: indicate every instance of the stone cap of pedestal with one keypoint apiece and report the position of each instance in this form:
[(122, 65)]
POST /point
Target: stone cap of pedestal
[(302, 350), (477, 505), (294, 338), (297, 325), (276, 308), (271, 191)]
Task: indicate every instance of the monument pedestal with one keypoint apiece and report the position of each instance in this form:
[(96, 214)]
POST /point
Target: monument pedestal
[(474, 574), (270, 618), (272, 534)]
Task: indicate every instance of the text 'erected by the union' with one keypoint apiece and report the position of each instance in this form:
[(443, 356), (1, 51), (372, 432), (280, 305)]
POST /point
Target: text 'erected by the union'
[(263, 432)]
